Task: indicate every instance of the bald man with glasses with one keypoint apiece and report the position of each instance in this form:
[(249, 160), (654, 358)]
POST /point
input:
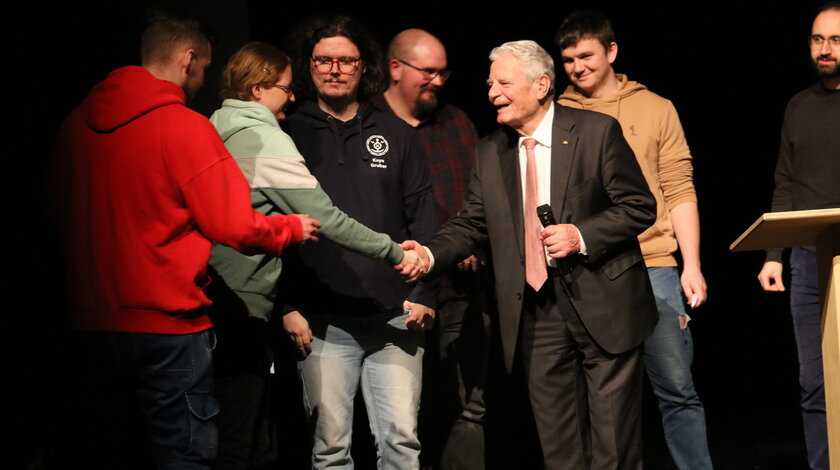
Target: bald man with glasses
[(456, 362)]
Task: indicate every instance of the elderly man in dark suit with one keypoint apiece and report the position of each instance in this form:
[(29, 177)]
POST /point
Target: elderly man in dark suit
[(574, 298)]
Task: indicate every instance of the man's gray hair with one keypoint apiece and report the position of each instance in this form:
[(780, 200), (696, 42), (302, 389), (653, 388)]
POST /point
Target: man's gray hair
[(535, 60)]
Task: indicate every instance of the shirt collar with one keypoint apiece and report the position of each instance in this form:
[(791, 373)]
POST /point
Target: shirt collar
[(543, 133)]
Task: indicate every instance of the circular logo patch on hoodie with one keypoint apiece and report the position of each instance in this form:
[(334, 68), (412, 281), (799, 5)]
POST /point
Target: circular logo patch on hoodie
[(377, 145)]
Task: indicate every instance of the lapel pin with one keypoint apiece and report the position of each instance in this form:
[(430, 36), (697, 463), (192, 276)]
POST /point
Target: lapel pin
[(565, 142)]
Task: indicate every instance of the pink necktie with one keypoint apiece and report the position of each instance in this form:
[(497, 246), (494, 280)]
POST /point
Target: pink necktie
[(535, 270)]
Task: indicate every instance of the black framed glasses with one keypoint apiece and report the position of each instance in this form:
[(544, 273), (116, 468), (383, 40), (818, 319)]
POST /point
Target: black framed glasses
[(346, 65), (816, 41), (430, 74)]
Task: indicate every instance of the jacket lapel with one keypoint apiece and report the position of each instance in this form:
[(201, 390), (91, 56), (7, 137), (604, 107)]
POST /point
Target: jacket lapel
[(563, 143), (509, 164)]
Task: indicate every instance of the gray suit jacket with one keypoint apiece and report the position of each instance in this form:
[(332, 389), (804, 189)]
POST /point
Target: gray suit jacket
[(596, 184)]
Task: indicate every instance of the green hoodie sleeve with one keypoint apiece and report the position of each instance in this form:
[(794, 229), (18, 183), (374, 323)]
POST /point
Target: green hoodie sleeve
[(281, 176)]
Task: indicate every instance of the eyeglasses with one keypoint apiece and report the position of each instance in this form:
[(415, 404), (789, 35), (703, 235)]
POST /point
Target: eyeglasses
[(816, 41), (346, 65), (430, 74), (285, 88)]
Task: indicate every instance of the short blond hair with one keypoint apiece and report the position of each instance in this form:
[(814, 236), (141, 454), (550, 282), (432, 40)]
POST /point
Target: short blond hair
[(165, 36)]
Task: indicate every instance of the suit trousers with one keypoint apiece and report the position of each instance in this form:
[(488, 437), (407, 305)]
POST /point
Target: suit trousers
[(586, 402)]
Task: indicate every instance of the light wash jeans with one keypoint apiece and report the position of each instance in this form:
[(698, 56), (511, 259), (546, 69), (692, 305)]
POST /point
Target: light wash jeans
[(387, 358), (669, 352)]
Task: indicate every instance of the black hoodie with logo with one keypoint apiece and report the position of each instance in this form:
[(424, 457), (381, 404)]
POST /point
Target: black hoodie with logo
[(372, 169)]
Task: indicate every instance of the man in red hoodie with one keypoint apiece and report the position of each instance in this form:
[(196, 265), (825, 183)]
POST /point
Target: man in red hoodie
[(144, 186)]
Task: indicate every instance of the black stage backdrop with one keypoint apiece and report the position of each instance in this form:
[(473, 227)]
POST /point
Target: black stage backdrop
[(728, 68)]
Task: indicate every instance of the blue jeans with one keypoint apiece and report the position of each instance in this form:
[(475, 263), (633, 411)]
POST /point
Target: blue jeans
[(806, 310), (669, 353), (151, 387), (387, 358)]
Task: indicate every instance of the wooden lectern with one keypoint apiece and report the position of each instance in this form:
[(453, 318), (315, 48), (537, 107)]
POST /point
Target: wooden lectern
[(820, 228)]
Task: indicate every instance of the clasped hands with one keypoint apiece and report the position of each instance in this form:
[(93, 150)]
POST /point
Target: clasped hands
[(415, 262), (560, 240)]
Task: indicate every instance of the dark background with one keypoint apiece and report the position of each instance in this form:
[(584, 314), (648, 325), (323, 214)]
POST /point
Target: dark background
[(729, 69)]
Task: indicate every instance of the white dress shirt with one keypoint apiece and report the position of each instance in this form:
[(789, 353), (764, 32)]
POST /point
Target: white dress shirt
[(542, 154)]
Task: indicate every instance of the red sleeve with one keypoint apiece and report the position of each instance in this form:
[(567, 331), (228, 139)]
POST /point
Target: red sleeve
[(218, 197)]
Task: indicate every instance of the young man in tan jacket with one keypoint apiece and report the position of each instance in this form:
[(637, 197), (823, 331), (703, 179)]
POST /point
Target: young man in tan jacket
[(652, 128)]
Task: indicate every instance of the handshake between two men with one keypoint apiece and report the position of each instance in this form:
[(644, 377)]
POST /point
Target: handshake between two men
[(560, 241)]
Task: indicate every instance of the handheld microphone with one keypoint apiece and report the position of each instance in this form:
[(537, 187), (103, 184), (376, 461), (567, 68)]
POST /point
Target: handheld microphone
[(546, 216)]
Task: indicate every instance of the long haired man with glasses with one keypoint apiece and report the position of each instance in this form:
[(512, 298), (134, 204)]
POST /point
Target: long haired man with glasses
[(806, 178), (367, 325), (456, 369)]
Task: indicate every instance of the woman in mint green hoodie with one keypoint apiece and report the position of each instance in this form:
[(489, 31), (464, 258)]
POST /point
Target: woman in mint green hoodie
[(256, 91)]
